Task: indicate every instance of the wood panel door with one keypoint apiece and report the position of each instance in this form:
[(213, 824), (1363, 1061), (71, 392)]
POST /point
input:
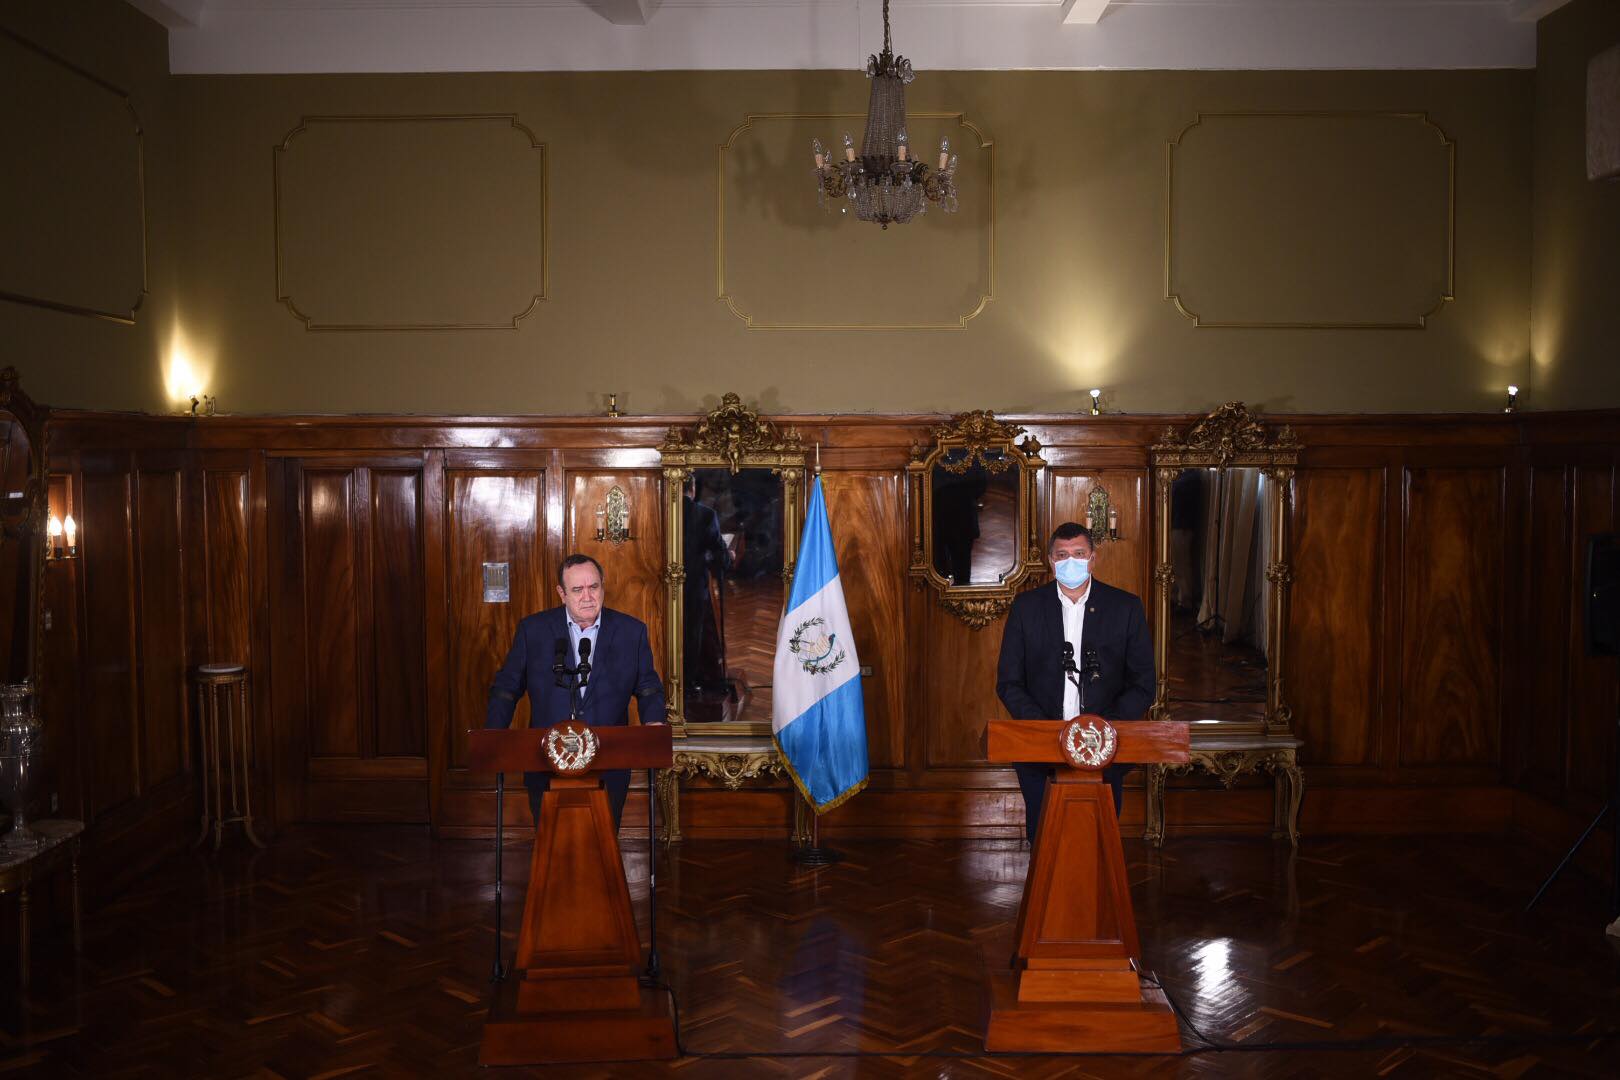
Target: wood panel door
[(493, 514), (348, 612)]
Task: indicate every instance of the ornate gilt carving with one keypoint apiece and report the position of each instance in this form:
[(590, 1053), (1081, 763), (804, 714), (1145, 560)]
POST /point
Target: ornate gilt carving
[(978, 614), (733, 437), (969, 438), (1229, 437), (976, 434), (1227, 764), (733, 431)]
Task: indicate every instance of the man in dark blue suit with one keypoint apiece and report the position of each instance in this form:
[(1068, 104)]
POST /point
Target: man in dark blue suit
[(1112, 653), (621, 667)]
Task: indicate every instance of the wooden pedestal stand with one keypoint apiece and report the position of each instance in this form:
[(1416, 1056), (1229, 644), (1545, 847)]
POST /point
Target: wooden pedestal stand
[(573, 993), (1073, 985)]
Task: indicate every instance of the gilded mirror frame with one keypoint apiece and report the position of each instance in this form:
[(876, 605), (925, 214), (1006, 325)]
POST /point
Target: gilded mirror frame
[(30, 525), (1229, 437), (731, 437), (977, 433)]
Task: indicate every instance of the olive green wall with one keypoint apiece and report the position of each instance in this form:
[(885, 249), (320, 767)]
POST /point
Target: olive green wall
[(1576, 253), (73, 359), (631, 234)]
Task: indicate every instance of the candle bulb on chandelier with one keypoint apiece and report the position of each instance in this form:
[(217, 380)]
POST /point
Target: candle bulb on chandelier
[(901, 148), (821, 155), (849, 147), (944, 153)]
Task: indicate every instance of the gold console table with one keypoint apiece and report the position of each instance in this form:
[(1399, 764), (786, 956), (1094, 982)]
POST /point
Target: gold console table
[(1228, 757), (20, 869), (733, 762)]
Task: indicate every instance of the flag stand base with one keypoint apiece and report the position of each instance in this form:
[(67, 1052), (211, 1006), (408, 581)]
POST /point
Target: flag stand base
[(816, 856)]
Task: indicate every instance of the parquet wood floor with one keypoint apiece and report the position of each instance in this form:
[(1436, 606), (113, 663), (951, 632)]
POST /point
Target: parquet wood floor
[(349, 950)]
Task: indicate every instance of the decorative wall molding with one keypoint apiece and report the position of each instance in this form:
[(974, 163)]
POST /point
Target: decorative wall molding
[(283, 292), (1172, 287), (753, 322), (126, 315)]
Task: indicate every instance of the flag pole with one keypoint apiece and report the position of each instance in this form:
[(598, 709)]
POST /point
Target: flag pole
[(813, 854)]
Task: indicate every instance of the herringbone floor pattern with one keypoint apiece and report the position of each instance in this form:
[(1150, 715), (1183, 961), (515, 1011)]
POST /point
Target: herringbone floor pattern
[(347, 950)]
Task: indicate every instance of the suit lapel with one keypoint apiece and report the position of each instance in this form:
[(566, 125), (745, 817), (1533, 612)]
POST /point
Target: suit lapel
[(600, 653)]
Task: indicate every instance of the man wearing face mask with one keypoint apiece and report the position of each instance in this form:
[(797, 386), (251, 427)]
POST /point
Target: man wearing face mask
[(1111, 649)]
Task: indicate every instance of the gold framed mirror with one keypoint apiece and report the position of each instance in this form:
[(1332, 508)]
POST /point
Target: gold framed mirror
[(733, 507), (975, 529), (1222, 574), (22, 531)]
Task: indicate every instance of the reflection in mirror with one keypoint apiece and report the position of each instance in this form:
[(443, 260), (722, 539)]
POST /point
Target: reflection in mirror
[(732, 528), (975, 511), (1219, 547), (19, 550)]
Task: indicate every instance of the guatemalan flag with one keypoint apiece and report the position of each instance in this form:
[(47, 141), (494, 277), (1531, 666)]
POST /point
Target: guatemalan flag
[(819, 720)]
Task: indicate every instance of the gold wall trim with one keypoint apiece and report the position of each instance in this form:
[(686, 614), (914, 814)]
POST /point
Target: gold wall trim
[(125, 317), (723, 294), (304, 123), (1417, 323)]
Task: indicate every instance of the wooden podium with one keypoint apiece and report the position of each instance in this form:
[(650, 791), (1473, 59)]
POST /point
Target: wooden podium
[(573, 993), (1073, 984)]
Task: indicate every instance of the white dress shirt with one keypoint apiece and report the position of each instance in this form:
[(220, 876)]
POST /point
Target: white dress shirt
[(1074, 625), (577, 632)]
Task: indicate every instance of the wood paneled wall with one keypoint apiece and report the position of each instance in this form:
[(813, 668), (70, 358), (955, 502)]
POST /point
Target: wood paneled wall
[(1434, 660)]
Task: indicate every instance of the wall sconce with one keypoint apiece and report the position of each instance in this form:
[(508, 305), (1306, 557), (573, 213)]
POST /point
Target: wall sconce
[(203, 402), (1513, 399), (1101, 516), (56, 532), (1096, 406), (613, 518), (613, 407)]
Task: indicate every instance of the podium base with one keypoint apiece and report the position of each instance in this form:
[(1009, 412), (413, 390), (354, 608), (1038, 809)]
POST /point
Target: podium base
[(1147, 1027), (644, 1033)]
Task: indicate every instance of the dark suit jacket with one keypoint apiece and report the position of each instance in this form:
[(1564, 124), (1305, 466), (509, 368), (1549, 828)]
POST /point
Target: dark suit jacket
[(1029, 675), (621, 667)]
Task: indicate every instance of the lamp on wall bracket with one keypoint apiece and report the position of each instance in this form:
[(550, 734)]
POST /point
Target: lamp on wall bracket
[(1096, 402), (1512, 400), (613, 518), (202, 405), (1102, 519), (61, 538), (613, 407)]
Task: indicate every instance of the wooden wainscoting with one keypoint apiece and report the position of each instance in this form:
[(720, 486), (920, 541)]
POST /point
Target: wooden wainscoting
[(1435, 658)]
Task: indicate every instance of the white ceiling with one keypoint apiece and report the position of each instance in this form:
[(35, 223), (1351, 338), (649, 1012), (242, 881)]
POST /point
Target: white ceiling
[(266, 36)]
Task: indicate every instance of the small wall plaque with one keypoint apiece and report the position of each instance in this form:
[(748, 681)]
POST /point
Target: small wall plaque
[(497, 583)]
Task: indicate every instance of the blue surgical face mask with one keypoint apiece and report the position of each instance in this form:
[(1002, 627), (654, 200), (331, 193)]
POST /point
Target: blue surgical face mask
[(1072, 573)]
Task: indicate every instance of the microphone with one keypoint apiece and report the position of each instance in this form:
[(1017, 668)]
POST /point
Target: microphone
[(584, 667), (1093, 665), (1068, 656), (559, 660)]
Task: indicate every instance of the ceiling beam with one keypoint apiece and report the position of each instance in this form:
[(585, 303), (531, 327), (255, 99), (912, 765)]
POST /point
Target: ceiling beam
[(1084, 12), (172, 14), (1532, 10), (624, 12)]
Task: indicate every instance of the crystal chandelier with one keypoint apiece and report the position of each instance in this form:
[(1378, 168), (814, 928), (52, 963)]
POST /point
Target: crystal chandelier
[(885, 183)]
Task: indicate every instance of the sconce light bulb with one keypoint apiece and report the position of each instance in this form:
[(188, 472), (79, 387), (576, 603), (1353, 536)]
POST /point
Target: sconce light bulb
[(53, 527), (1096, 394), (71, 527), (1513, 391), (1513, 399), (1096, 405)]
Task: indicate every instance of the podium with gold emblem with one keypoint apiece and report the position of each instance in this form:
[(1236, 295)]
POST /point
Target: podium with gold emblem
[(573, 994), (1073, 985)]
